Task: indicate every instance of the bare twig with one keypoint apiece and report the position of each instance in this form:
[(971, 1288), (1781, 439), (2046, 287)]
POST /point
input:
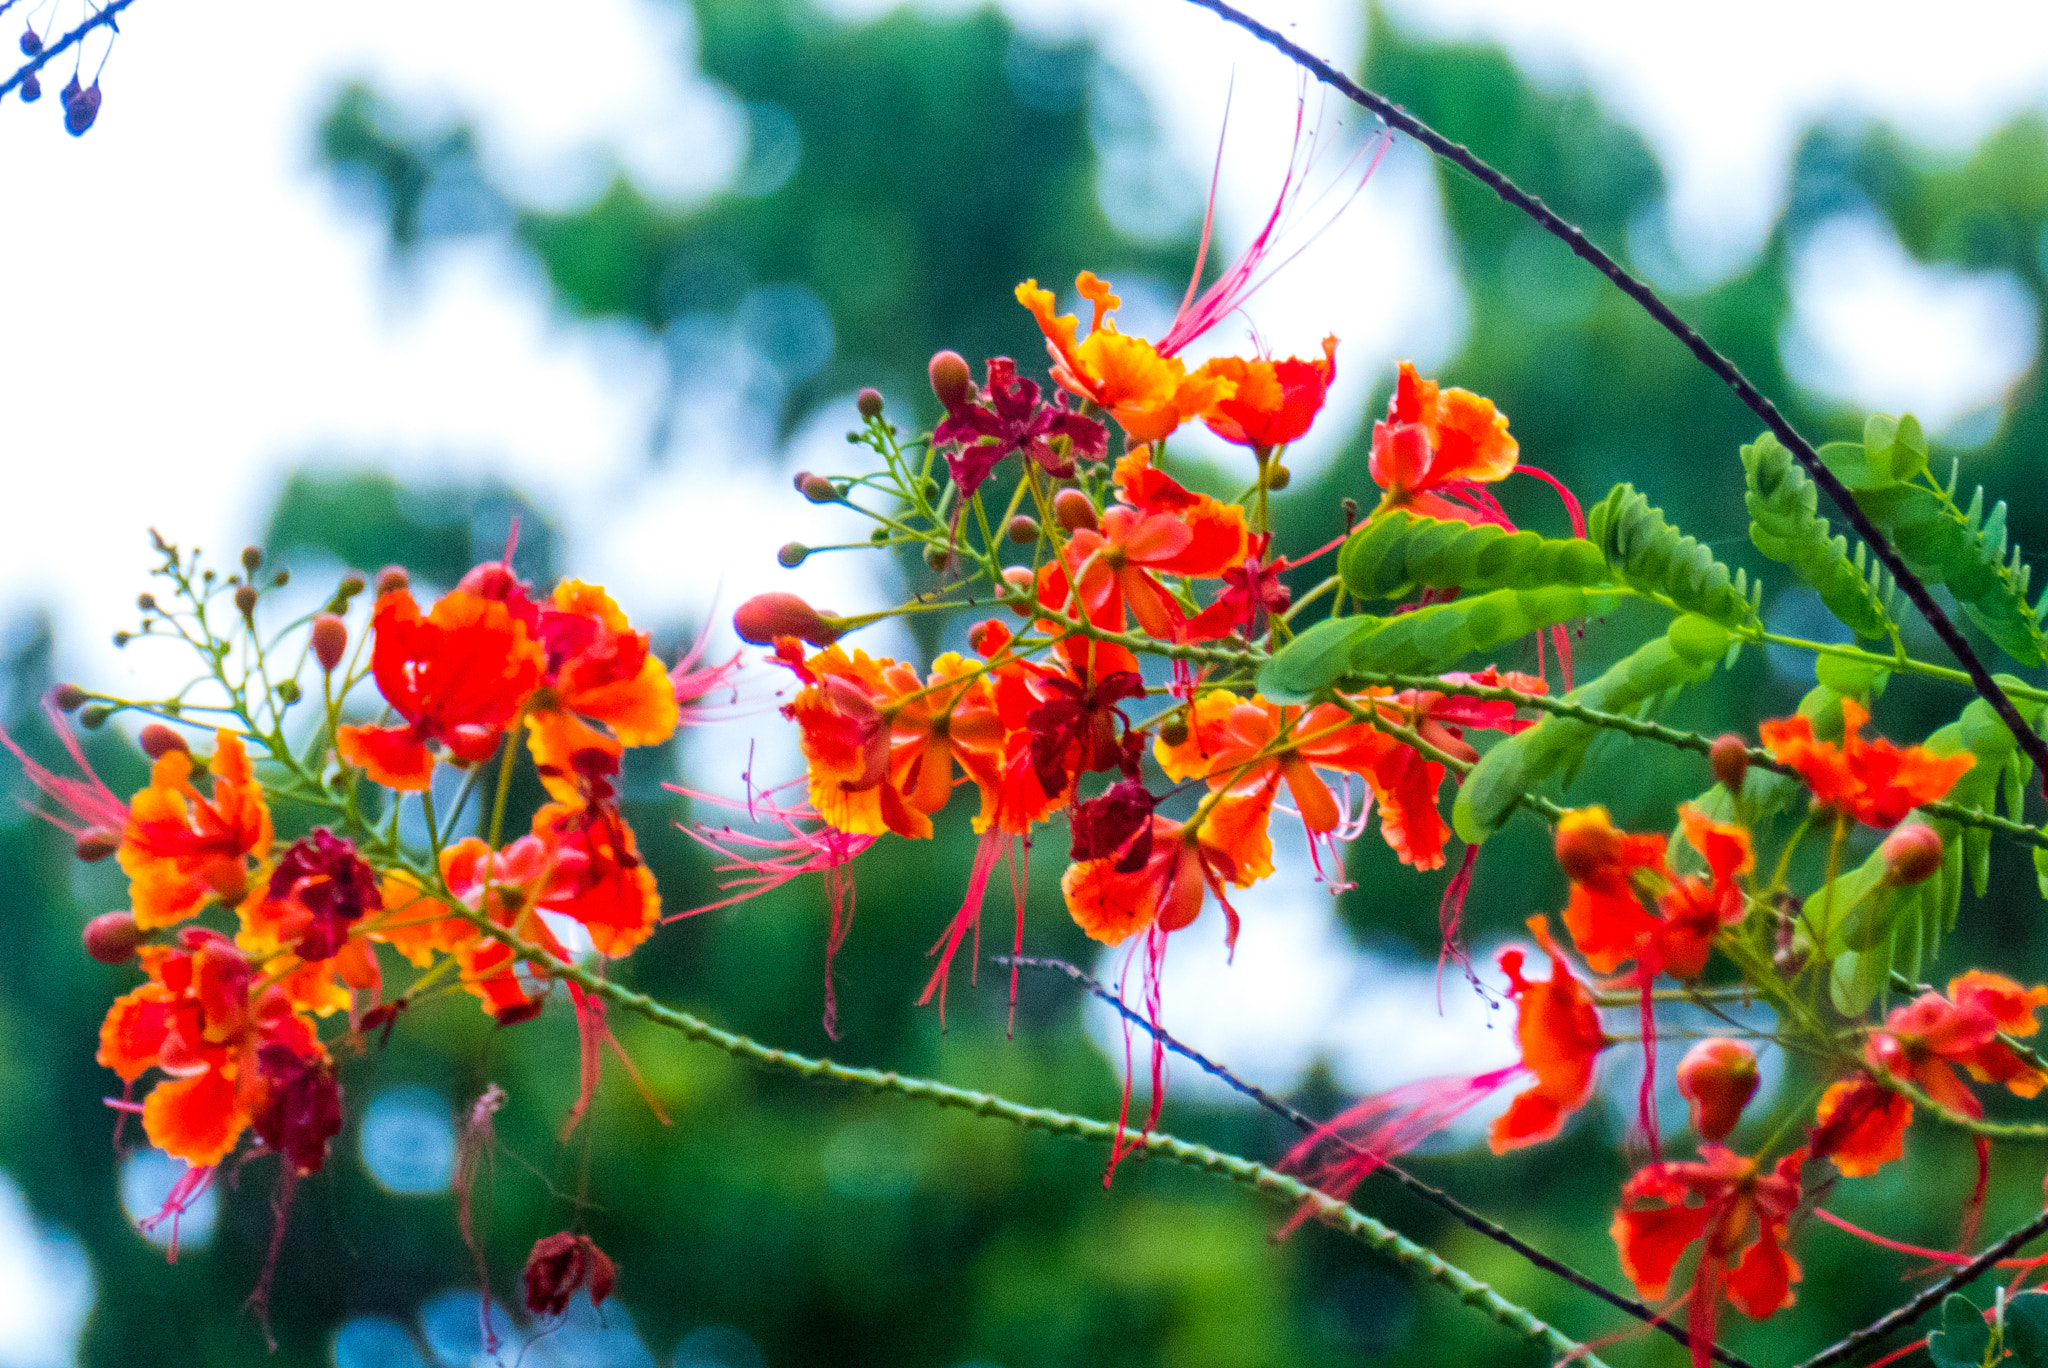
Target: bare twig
[(1724, 369), (1309, 1126), (1929, 1297), (104, 16)]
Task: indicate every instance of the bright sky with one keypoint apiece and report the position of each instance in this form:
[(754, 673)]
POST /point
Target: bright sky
[(190, 314)]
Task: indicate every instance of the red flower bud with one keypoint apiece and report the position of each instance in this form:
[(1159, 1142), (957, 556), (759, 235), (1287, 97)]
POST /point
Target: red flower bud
[(94, 846), (391, 579), (558, 1265), (245, 600), (764, 617), (818, 489), (1073, 510), (869, 403), (1023, 529), (1729, 756), (1021, 580), (1717, 1078), (1911, 855), (111, 937), (330, 641), (69, 697), (951, 380), (157, 741)]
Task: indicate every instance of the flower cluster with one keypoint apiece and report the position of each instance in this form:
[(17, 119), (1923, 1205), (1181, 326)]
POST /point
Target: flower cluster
[(252, 944)]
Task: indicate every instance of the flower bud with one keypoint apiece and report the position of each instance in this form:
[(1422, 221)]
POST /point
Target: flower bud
[(558, 1266), (288, 690), (31, 43), (69, 697), (330, 640), (1911, 854), (157, 741), (81, 107), (1021, 581), (1729, 756), (1073, 510), (351, 584), (791, 555), (869, 403), (1279, 477), (94, 716), (818, 489), (245, 599), (1023, 529), (1174, 730), (764, 617), (798, 480), (391, 579), (1586, 844), (146, 602), (1717, 1078), (31, 89), (93, 846), (280, 579), (252, 558), (111, 937), (951, 380), (938, 558)]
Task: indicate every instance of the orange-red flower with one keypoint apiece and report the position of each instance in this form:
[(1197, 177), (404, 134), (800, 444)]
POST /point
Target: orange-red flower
[(1610, 873), (1736, 1210), (1406, 784), (206, 1019), (1148, 394), (1161, 528), (1162, 876), (1874, 782), (1273, 402), (1249, 746), (1559, 1031), (457, 675), (300, 925), (182, 847), (599, 670), (1435, 443), (1861, 1125)]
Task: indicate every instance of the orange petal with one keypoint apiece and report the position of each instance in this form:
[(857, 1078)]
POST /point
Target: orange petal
[(198, 1119)]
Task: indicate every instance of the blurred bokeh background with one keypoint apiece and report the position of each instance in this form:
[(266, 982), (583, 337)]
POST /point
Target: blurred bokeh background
[(364, 283)]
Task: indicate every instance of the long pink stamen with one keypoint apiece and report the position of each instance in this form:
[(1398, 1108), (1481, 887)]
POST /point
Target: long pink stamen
[(986, 854)]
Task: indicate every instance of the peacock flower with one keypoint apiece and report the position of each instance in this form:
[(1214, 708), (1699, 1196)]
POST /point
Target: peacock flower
[(1161, 529), (90, 812), (1435, 448), (1248, 745), (457, 675), (1611, 874), (1273, 402), (599, 671), (1160, 877), (507, 887), (1861, 1125), (1149, 394), (223, 1035), (950, 723), (981, 435), (181, 847), (1874, 782), (1406, 784), (1559, 1031), (597, 877), (300, 925), (1736, 1210), (845, 742)]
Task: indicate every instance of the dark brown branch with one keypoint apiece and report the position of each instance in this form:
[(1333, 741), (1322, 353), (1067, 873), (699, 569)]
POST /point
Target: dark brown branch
[(105, 16), (1725, 370), (1308, 1126), (1930, 1297)]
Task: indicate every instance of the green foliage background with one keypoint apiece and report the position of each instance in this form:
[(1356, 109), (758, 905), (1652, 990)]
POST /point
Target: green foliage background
[(846, 1230)]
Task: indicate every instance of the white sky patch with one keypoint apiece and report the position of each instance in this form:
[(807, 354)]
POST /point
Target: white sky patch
[(1726, 116), (49, 1287), (1875, 329)]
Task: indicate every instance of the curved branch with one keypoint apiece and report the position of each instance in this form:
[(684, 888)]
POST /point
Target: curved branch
[(1723, 369), (104, 17)]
